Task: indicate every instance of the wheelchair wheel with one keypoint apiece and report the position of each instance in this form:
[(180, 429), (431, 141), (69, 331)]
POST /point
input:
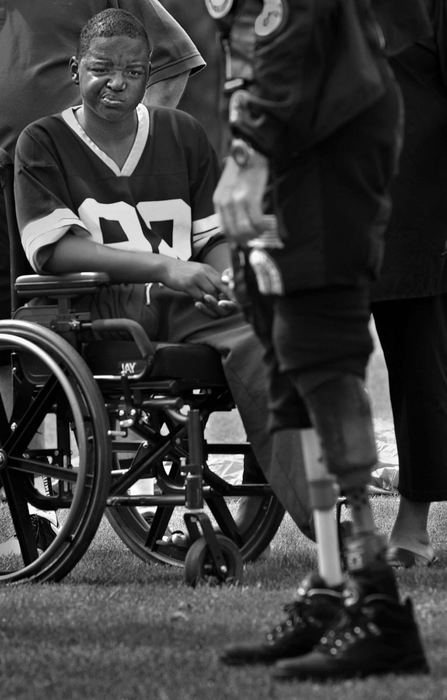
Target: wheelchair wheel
[(149, 536), (200, 567), (54, 456)]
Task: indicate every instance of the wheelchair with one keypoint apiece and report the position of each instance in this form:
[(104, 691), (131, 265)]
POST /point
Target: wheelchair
[(98, 409)]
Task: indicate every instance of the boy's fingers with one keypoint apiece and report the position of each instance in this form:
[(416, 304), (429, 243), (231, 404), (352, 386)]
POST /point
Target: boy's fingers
[(210, 300), (226, 307), (220, 309), (200, 306)]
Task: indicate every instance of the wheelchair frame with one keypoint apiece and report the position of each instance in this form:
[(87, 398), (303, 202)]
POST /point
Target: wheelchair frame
[(71, 371)]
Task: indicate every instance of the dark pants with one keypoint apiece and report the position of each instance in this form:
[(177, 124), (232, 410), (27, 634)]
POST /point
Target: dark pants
[(310, 337), (317, 345), (413, 335)]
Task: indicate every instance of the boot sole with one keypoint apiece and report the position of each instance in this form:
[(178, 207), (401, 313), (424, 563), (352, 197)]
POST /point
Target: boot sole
[(408, 668)]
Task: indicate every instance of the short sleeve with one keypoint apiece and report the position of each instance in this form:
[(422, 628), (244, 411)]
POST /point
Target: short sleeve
[(204, 175), (174, 51), (43, 207)]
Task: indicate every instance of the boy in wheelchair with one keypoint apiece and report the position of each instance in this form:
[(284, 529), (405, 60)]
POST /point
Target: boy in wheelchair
[(113, 187)]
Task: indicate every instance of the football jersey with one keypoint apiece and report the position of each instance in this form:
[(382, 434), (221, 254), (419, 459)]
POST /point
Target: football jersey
[(160, 201)]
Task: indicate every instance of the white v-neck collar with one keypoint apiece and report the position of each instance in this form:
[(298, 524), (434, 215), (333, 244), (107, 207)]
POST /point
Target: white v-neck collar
[(68, 115)]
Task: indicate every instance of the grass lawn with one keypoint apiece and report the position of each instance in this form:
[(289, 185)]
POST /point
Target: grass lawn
[(119, 629)]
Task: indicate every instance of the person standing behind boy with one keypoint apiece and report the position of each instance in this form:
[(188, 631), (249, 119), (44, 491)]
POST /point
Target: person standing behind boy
[(112, 186)]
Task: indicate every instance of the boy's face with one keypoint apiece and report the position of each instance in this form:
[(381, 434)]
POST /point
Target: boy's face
[(112, 76)]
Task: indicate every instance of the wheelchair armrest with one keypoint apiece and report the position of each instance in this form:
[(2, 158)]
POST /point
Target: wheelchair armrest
[(72, 284), (141, 340)]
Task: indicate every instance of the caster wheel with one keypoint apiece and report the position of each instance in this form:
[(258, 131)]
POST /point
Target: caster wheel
[(200, 567)]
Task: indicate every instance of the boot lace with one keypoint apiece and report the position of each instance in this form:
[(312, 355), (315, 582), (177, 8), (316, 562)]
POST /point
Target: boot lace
[(293, 621), (355, 623)]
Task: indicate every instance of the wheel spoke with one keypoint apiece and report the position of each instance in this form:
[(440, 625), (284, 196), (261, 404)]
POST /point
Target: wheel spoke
[(32, 466)]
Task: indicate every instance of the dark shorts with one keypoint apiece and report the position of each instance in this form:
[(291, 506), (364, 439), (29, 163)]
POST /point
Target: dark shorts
[(314, 336), (322, 332), (169, 317)]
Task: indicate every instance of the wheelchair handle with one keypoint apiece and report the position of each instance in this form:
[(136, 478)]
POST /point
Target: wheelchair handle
[(140, 338)]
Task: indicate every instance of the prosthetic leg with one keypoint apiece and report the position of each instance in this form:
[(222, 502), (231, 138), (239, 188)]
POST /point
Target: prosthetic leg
[(323, 496), (340, 412)]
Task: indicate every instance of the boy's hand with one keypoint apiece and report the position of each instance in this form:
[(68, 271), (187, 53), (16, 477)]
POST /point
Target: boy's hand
[(196, 279), (225, 304), (216, 307)]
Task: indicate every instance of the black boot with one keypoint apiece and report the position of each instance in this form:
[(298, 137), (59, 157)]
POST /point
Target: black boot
[(374, 634), (307, 619)]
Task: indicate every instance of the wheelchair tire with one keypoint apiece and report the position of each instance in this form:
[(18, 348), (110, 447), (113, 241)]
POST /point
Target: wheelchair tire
[(68, 475), (200, 567)]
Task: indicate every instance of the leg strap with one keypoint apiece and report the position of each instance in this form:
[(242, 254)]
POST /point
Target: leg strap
[(322, 488), (341, 414)]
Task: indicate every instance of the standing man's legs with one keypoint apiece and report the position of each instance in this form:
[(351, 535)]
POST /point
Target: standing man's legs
[(322, 340), (413, 335)]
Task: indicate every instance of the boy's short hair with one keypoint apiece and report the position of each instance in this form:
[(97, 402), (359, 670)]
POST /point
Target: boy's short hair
[(109, 23)]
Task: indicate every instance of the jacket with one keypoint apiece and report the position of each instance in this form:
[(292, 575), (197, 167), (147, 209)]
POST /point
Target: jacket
[(289, 54)]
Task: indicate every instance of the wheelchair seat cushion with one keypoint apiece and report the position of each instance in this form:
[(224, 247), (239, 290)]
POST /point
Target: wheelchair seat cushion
[(196, 364)]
